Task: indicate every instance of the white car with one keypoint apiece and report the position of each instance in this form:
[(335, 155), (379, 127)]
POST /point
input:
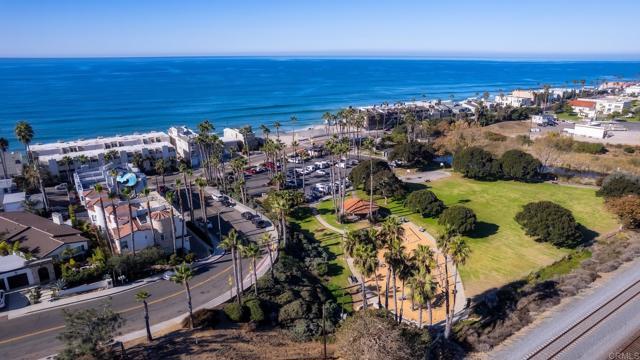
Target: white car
[(167, 275), (2, 303), (342, 164), (321, 172), (61, 187)]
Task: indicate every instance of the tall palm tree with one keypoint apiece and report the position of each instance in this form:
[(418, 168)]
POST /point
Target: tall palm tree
[(128, 194), (66, 160), (170, 196), (458, 252), (267, 242), (24, 133), (202, 184), (265, 131), (183, 274), (365, 259), (369, 146), (161, 167), (181, 205), (424, 287), (450, 244), (231, 243), (277, 125), (146, 192), (392, 232), (252, 251), (114, 207), (4, 146), (99, 189), (186, 172), (280, 207), (142, 297)]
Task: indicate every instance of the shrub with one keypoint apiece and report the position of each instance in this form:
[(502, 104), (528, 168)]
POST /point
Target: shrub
[(524, 140), (550, 222), (425, 202), (627, 208), (460, 219), (235, 312), (256, 314), (136, 267), (412, 153), (629, 149), (292, 311), (321, 268), (589, 148), (203, 318), (492, 136), (476, 163), (519, 165), (385, 182), (305, 330), (619, 184)]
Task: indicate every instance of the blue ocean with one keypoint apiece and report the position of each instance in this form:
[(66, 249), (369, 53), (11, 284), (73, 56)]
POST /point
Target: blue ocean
[(83, 98)]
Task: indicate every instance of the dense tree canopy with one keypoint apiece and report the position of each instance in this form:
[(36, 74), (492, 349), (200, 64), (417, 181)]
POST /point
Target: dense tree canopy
[(385, 182), (459, 219), (519, 165), (619, 184), (412, 153), (476, 163), (425, 202), (550, 222)]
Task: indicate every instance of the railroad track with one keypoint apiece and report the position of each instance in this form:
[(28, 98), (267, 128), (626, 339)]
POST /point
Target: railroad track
[(564, 340)]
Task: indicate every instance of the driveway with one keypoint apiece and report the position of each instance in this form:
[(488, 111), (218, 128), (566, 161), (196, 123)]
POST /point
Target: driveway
[(424, 176)]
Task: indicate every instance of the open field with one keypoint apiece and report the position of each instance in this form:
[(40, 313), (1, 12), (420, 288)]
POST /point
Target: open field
[(338, 276), (501, 252)]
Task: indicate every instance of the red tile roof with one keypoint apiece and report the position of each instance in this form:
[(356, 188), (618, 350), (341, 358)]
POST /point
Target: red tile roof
[(582, 103)]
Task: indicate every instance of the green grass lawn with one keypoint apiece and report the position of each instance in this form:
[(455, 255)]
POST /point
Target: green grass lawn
[(501, 252), (567, 116), (325, 209), (337, 279)]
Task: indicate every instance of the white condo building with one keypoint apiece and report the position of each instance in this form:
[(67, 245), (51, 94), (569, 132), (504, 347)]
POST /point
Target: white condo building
[(183, 140), (151, 145), (11, 165)]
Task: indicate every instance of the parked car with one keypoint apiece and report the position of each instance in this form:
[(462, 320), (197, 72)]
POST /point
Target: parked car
[(250, 171), (321, 164), (321, 172), (167, 275), (227, 201), (248, 215), (61, 187), (261, 224), (342, 164)]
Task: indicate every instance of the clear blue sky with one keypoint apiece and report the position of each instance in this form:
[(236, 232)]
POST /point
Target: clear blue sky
[(50, 28)]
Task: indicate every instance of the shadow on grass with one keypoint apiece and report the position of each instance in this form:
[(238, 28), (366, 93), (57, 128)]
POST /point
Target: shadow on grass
[(588, 235), (484, 229)]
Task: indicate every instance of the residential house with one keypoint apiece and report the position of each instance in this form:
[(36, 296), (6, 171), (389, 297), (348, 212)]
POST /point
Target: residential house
[(13, 163), (584, 108), (43, 239)]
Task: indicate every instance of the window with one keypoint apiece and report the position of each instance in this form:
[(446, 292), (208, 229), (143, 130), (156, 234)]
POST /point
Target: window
[(124, 244)]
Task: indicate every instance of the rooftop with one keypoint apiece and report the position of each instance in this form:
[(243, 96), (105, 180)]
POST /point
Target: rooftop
[(358, 206), (582, 103)]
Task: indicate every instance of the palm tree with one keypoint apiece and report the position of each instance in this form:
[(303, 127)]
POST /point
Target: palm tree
[(146, 193), (142, 297), (202, 183), (365, 259), (392, 233), (267, 242), (4, 145), (277, 125), (161, 167), (265, 131), (231, 243), (66, 160), (127, 196), (451, 245), (182, 276), (186, 176), (253, 251), (98, 189), (406, 269), (181, 205), (458, 252), (24, 133), (280, 207), (113, 197), (368, 145), (424, 288), (170, 196)]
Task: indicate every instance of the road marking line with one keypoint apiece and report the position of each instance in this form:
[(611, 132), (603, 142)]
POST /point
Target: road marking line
[(6, 341)]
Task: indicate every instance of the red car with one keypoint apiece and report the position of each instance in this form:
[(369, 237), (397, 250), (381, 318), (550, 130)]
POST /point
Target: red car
[(250, 171)]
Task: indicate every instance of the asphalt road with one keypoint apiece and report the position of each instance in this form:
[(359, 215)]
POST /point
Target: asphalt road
[(605, 330), (34, 336)]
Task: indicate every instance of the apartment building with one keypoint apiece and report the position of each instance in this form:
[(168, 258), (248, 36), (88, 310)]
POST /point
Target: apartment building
[(151, 146), (11, 165), (183, 140)]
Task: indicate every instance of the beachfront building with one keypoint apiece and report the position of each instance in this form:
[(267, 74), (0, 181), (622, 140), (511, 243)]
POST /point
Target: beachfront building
[(633, 90), (611, 104), (45, 240), (233, 137), (147, 227), (584, 108), (513, 100), (387, 115), (112, 177), (183, 140), (119, 149), (11, 165)]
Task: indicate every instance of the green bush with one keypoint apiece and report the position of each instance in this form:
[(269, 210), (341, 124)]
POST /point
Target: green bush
[(619, 184), (292, 311), (136, 267), (322, 268), (476, 163), (589, 148), (629, 149), (424, 202), (235, 312), (305, 330), (460, 219), (519, 165), (256, 314), (549, 222), (203, 318)]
